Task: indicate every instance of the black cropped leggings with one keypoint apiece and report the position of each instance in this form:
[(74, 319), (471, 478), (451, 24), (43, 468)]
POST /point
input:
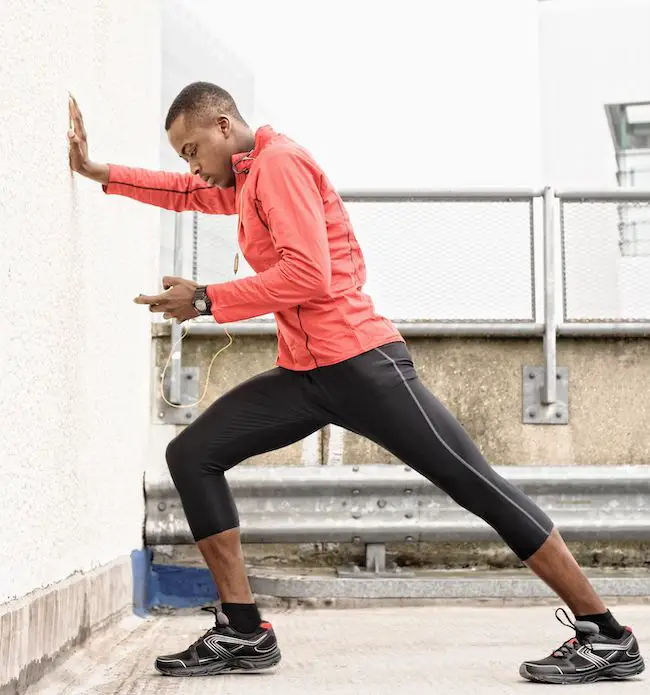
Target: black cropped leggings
[(378, 395)]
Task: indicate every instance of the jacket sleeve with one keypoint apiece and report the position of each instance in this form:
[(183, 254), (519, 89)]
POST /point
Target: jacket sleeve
[(288, 190), (170, 190)]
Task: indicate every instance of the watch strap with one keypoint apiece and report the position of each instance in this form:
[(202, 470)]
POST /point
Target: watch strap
[(201, 294)]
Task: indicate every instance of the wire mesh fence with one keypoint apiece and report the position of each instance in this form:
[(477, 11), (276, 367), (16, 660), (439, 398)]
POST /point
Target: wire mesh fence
[(466, 260), (426, 261), (606, 260), (444, 260)]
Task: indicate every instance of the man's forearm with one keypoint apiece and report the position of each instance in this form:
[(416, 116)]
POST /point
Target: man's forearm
[(169, 190), (96, 172)]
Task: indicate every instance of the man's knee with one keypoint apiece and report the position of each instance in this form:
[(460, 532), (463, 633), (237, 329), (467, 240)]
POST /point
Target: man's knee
[(179, 455), (185, 457), (202, 486)]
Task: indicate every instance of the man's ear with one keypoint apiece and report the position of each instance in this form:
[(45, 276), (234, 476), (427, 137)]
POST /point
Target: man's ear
[(225, 125)]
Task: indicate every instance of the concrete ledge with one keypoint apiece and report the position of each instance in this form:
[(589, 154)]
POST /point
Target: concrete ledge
[(39, 627), (480, 381), (439, 585)]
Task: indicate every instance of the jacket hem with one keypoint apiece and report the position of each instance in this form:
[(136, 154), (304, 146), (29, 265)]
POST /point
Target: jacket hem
[(322, 362)]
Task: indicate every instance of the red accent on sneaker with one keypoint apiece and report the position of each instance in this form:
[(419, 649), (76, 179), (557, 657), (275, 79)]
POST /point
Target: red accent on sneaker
[(629, 629), (266, 626)]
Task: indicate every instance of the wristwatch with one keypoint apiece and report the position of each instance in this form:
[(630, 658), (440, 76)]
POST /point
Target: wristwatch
[(201, 302)]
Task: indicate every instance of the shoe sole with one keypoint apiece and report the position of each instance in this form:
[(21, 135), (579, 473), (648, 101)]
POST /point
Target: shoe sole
[(245, 664), (615, 672)]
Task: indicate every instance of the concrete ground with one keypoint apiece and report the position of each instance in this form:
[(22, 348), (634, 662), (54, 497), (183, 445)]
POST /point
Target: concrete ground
[(369, 651)]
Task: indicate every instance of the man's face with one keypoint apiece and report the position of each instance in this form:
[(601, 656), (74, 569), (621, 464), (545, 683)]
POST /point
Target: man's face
[(206, 147)]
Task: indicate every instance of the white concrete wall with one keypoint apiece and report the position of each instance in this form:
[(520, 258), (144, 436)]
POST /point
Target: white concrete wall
[(74, 349)]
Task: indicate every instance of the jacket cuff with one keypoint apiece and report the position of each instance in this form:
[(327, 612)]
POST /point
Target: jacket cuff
[(217, 311), (113, 173)]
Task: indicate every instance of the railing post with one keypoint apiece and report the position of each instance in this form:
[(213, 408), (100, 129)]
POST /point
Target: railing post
[(549, 391), (181, 384), (176, 361), (546, 388)]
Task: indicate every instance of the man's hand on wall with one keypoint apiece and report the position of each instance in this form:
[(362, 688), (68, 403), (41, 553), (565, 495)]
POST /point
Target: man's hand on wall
[(78, 147), (176, 302)]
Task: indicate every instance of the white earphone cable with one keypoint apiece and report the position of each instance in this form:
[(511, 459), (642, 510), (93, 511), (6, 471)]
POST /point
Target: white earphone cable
[(187, 330), (207, 379)]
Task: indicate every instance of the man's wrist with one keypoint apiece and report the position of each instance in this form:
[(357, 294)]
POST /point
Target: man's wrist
[(96, 172)]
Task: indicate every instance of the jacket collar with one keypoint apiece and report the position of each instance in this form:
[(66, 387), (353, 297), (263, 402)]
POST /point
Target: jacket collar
[(241, 162)]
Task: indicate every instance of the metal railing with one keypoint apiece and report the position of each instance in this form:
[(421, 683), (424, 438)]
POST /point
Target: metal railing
[(595, 251), (555, 274), (374, 505), (384, 503), (377, 504)]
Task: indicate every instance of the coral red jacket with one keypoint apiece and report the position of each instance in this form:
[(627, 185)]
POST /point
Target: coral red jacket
[(296, 235)]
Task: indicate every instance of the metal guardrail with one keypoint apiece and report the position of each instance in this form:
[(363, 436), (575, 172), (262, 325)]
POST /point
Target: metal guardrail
[(377, 504)]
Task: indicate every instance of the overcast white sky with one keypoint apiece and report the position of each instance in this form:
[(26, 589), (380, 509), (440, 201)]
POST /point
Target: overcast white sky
[(378, 90), (444, 93)]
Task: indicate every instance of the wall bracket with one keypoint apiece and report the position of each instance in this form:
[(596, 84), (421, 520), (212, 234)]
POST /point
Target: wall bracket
[(535, 411)]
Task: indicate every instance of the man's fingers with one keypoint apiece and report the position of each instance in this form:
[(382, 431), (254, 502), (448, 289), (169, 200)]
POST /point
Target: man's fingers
[(77, 118), (74, 107), (145, 299), (79, 127), (171, 280), (72, 111)]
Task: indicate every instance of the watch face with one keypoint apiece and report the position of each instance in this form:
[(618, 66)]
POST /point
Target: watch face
[(201, 305)]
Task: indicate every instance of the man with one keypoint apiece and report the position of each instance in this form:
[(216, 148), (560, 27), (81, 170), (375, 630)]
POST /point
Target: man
[(338, 362)]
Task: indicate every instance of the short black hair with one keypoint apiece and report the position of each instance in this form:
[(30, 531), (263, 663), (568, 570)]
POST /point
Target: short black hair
[(199, 99)]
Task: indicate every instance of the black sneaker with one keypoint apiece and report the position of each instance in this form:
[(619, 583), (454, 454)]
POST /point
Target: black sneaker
[(587, 657), (222, 649)]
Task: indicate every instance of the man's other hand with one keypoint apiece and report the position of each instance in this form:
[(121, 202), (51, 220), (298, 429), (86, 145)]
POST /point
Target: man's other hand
[(176, 302)]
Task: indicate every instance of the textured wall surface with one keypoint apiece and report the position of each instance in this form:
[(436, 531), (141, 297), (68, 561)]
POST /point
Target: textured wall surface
[(38, 628), (480, 381), (74, 349)]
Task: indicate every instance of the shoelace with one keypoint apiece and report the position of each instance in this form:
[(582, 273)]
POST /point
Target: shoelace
[(216, 612), (571, 645)]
